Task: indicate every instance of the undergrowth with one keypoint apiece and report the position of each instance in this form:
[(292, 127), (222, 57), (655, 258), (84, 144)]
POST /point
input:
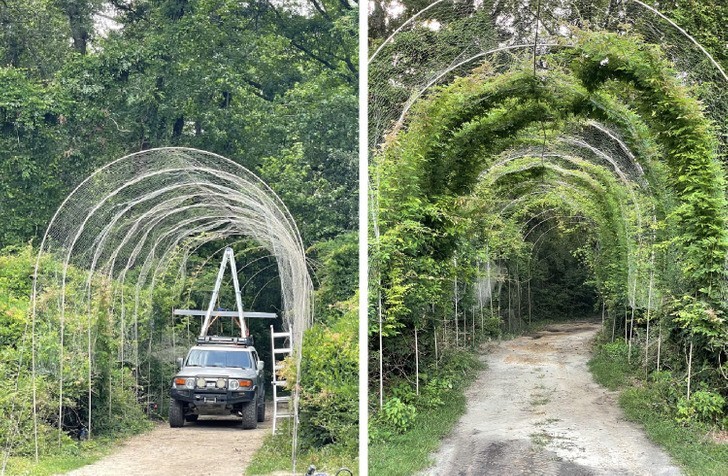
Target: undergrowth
[(684, 427), (410, 427), (70, 456), (275, 456)]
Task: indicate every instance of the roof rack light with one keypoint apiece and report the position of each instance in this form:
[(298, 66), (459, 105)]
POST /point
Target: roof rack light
[(225, 340)]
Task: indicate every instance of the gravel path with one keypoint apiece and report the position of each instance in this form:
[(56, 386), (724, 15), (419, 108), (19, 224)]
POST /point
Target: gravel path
[(213, 446), (537, 411)]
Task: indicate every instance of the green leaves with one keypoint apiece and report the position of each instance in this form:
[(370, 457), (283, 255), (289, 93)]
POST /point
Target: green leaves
[(699, 318)]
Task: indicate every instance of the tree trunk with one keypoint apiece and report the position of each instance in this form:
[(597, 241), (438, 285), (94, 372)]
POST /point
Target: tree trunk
[(79, 20)]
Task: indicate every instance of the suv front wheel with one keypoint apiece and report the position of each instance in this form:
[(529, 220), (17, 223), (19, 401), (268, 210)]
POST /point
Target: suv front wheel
[(250, 416), (176, 413)]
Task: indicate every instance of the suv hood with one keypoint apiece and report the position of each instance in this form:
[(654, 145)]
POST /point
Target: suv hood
[(225, 372)]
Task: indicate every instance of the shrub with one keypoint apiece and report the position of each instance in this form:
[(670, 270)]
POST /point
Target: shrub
[(397, 415), (703, 407), (617, 351), (492, 327), (433, 392), (329, 384)]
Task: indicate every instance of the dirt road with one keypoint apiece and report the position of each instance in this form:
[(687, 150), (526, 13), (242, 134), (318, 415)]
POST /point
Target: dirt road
[(210, 447), (537, 410)]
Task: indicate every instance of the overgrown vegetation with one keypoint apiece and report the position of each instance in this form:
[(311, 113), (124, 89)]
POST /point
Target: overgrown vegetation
[(118, 407), (410, 426), (584, 180)]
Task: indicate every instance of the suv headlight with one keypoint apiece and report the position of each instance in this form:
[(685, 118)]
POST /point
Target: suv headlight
[(236, 384), (180, 382)]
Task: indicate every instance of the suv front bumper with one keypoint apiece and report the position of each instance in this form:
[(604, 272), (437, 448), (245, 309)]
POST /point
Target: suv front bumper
[(201, 397)]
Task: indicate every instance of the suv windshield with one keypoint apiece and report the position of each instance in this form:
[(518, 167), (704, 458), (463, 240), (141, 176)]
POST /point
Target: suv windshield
[(219, 358)]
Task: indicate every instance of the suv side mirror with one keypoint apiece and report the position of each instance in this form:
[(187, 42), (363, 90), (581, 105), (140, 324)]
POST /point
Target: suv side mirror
[(179, 362), (261, 365)]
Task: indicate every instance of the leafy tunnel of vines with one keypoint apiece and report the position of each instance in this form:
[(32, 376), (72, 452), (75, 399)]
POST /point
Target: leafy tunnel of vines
[(583, 181)]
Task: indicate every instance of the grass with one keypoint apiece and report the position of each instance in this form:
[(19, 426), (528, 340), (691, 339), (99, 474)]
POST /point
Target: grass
[(69, 458), (688, 445), (407, 453), (538, 400), (274, 457), (541, 439), (610, 367), (400, 454)]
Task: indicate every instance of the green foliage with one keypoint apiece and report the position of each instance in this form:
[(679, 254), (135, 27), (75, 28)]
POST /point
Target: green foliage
[(703, 406), (397, 415), (427, 418), (658, 402), (114, 410), (16, 270), (686, 443), (453, 196), (701, 319), (337, 265), (329, 384), (610, 364), (434, 391), (274, 457), (269, 86)]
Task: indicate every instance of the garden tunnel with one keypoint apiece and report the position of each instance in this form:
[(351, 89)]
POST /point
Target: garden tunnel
[(588, 144), (139, 237)]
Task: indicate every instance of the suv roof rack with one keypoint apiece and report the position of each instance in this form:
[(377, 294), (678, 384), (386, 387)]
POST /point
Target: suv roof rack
[(244, 341)]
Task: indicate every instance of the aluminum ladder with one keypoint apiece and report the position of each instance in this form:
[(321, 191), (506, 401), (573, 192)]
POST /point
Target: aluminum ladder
[(277, 355)]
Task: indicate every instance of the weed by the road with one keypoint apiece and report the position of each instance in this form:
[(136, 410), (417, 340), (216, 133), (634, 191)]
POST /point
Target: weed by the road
[(539, 399), (541, 439), (409, 452), (688, 444), (393, 453), (547, 421), (275, 457), (542, 396), (643, 401), (610, 366)]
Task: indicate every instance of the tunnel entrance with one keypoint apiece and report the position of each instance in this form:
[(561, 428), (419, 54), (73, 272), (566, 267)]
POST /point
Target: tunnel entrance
[(561, 285)]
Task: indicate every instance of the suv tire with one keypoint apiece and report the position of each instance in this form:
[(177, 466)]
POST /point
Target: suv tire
[(261, 412), (250, 421), (176, 414)]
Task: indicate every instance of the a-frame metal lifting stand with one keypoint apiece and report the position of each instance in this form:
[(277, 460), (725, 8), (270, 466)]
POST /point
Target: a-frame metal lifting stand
[(211, 314)]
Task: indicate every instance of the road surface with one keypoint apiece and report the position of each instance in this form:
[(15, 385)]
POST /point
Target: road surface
[(537, 411), (210, 447)]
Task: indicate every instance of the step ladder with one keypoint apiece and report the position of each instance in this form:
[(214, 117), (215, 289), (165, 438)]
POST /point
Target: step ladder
[(282, 405)]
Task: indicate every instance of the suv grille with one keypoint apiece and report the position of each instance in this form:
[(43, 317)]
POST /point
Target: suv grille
[(211, 383)]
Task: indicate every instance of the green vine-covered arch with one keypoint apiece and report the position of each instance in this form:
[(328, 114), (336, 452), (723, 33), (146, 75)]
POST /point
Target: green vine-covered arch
[(452, 136)]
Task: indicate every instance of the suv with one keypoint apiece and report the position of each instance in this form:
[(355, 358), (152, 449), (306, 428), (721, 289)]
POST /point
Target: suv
[(220, 376)]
